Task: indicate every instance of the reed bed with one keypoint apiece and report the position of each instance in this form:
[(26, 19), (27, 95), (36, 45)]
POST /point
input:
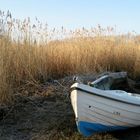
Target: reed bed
[(32, 53)]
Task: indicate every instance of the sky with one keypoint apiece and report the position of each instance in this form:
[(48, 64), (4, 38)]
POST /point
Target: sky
[(71, 14)]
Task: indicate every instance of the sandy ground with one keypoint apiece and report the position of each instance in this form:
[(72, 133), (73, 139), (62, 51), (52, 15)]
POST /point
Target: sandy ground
[(44, 113)]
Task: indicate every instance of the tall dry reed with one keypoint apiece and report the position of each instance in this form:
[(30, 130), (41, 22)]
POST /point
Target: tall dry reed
[(31, 53)]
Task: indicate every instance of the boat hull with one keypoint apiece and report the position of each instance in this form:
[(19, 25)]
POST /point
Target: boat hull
[(99, 114), (88, 128)]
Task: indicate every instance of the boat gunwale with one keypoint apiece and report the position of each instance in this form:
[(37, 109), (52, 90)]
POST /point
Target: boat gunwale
[(107, 97)]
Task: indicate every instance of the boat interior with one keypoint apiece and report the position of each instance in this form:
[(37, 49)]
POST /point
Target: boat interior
[(111, 82)]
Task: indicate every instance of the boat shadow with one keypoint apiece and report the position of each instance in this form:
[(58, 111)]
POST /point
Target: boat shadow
[(128, 134)]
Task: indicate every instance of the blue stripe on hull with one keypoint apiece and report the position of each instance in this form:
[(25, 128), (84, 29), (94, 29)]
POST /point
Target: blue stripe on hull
[(87, 129)]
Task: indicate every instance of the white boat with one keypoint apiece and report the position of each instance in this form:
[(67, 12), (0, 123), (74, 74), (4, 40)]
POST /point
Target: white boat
[(98, 108)]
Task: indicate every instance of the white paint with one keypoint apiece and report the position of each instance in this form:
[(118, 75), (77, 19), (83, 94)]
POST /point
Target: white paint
[(98, 109)]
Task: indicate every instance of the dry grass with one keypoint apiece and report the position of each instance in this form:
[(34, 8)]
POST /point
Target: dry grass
[(27, 56)]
